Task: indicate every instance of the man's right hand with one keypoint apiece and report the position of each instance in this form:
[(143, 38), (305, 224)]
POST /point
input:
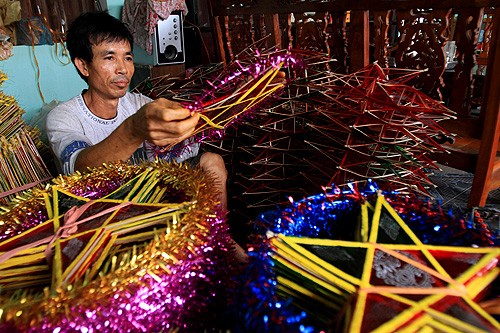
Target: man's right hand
[(163, 122)]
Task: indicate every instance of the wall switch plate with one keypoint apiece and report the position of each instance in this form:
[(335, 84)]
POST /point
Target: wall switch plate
[(169, 40)]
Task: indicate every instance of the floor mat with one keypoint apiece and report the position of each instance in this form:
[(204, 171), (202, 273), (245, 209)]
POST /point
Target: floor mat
[(452, 191)]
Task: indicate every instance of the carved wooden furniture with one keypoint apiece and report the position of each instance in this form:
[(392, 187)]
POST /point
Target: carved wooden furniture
[(403, 34)]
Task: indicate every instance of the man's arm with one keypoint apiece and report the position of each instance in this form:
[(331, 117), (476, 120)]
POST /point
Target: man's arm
[(161, 122)]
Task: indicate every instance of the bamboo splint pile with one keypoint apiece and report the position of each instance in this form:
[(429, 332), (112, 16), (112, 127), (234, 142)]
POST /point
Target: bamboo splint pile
[(21, 166)]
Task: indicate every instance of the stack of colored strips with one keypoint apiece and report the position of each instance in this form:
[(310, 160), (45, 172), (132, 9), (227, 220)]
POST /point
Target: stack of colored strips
[(21, 165)]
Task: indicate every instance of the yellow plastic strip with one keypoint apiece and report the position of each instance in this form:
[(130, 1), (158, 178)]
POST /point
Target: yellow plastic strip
[(328, 286), (417, 325), (324, 267), (306, 292), (476, 286), (413, 291), (364, 223), (413, 237), (490, 259), (359, 312)]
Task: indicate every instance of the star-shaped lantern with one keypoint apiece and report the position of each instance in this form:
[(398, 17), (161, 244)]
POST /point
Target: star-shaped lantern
[(80, 233), (119, 248), (389, 281)]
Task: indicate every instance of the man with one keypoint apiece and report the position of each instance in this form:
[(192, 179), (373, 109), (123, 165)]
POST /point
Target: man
[(108, 123)]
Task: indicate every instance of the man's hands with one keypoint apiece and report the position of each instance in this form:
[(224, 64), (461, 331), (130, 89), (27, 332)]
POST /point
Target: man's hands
[(163, 122)]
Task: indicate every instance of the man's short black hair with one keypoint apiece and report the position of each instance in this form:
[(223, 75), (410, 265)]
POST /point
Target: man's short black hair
[(93, 28)]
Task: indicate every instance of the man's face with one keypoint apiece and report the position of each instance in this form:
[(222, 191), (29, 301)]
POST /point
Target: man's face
[(111, 69)]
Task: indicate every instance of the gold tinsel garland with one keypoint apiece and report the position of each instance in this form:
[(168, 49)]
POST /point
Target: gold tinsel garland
[(164, 284)]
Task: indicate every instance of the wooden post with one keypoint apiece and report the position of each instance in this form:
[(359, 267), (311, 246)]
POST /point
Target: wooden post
[(483, 180), (359, 42)]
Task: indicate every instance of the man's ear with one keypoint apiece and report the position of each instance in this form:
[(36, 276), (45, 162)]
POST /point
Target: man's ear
[(82, 66)]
